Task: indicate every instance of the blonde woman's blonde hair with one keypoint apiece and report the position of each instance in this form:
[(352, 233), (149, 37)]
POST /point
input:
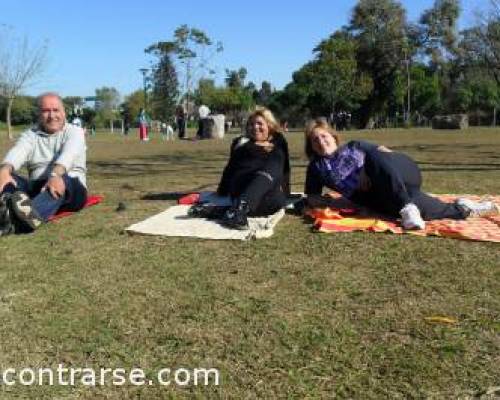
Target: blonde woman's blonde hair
[(267, 115), (318, 123)]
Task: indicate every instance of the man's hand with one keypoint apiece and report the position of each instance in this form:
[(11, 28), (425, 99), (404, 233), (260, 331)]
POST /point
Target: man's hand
[(6, 177), (56, 187), (384, 149)]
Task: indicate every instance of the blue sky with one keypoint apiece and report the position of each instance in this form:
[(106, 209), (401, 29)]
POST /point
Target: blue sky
[(101, 43)]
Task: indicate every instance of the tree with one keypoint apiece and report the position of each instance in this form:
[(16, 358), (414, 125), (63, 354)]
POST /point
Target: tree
[(20, 64), (72, 104), (164, 82), (192, 51), (236, 78), (24, 109), (439, 41), (425, 91), (264, 94), (336, 76), (133, 104), (380, 29), (479, 62), (107, 100)]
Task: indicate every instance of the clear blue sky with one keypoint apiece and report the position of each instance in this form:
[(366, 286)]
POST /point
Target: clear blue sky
[(101, 43)]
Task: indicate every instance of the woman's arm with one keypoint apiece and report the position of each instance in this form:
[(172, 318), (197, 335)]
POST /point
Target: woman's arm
[(314, 187), (368, 146), (223, 188)]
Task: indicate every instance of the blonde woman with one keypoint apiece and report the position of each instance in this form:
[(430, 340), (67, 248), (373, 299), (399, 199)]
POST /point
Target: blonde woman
[(257, 175)]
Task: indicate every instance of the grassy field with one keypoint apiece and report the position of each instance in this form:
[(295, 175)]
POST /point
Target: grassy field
[(299, 315)]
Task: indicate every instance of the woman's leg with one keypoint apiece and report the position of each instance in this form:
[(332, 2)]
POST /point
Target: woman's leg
[(387, 173), (400, 177), (262, 191), (432, 208)]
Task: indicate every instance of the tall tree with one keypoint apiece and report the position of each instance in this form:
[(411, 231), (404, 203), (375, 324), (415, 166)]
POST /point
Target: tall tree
[(337, 80), (20, 64), (193, 51), (164, 82), (439, 41), (380, 28)]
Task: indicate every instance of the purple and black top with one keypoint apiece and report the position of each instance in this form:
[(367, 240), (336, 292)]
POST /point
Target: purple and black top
[(340, 172)]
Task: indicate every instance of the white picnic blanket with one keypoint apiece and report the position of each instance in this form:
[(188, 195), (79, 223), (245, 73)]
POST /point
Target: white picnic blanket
[(175, 221)]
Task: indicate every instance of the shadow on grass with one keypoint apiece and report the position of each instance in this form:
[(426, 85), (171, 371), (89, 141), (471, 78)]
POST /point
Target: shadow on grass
[(176, 195)]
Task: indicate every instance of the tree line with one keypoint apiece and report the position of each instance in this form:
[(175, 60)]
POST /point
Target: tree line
[(380, 67)]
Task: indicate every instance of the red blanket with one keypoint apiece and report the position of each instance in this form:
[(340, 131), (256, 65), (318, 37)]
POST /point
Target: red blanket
[(91, 201)]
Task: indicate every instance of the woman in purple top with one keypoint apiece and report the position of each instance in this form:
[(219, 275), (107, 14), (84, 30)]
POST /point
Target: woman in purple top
[(377, 178)]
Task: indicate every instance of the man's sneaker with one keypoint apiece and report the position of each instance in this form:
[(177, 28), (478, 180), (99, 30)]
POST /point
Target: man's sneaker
[(411, 218), (236, 216), (478, 209), (22, 207), (6, 222), (207, 210)]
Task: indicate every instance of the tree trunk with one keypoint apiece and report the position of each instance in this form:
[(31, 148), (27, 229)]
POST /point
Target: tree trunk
[(111, 125), (9, 126), (494, 116)]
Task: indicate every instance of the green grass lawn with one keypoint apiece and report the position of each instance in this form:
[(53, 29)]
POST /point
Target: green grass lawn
[(299, 315)]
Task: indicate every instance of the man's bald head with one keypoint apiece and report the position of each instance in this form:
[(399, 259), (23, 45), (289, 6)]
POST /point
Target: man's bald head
[(51, 113)]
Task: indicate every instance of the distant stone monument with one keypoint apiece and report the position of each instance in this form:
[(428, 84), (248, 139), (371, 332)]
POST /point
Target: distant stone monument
[(217, 126), (452, 121)]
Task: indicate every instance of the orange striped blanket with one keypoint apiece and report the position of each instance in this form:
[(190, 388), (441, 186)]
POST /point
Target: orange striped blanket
[(342, 216)]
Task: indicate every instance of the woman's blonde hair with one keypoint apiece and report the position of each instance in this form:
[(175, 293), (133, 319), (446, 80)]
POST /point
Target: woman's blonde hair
[(318, 123), (268, 116)]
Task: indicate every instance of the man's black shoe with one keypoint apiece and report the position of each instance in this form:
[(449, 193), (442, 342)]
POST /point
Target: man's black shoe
[(23, 209), (6, 221)]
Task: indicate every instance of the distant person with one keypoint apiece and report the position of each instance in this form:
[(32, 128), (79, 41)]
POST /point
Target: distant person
[(167, 132), (54, 154), (375, 177), (77, 121), (143, 121), (181, 122), (284, 126)]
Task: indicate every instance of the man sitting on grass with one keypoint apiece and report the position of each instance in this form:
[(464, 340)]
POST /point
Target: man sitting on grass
[(54, 155)]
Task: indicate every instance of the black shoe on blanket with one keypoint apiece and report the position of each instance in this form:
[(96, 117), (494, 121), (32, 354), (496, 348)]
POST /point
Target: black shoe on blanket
[(22, 206), (209, 211), (236, 216)]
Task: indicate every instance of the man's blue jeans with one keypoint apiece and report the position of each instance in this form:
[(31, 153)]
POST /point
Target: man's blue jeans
[(42, 201)]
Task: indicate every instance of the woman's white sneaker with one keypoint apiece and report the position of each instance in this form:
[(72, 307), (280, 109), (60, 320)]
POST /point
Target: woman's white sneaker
[(478, 208), (411, 218)]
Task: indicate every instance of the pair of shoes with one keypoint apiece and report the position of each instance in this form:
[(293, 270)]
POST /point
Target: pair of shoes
[(411, 218), (7, 225), (22, 207), (236, 216), (478, 209), (207, 210)]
